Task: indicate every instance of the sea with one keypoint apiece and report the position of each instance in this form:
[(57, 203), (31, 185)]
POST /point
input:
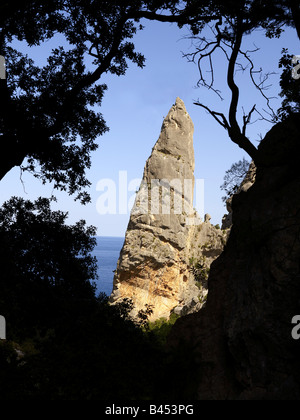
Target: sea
[(107, 252)]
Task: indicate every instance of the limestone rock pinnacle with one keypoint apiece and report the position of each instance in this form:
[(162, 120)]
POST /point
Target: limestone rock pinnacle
[(154, 266)]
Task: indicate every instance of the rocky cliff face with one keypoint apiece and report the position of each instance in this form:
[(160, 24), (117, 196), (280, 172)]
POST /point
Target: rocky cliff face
[(241, 344), (155, 263)]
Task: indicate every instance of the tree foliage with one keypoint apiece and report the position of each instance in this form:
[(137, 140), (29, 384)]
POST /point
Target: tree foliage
[(234, 177), (43, 261), (290, 85), (64, 342), (47, 114)]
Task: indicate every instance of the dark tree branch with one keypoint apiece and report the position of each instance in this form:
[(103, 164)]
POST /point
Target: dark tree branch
[(207, 51), (181, 18), (261, 85), (247, 119), (236, 134), (231, 83), (230, 38), (218, 116)]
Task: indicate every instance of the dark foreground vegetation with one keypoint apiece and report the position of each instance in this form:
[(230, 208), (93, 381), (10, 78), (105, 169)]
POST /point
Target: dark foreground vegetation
[(63, 341)]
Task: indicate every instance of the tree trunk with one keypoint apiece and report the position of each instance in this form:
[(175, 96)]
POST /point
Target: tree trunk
[(235, 132), (10, 155)]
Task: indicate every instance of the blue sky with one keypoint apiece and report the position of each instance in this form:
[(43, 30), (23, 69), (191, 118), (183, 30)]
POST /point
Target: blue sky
[(134, 107)]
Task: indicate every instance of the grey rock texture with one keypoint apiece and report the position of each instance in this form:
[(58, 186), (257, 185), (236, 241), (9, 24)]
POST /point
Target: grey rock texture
[(240, 345), (163, 231)]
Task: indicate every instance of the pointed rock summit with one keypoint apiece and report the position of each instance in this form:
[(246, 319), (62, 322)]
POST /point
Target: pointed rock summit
[(155, 263)]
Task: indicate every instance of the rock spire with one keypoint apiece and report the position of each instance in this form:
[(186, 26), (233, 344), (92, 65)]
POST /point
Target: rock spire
[(155, 263)]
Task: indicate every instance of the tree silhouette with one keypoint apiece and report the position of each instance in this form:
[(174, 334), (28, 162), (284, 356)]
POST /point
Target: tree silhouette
[(236, 21), (44, 261), (64, 342), (234, 177), (290, 86), (48, 121)]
